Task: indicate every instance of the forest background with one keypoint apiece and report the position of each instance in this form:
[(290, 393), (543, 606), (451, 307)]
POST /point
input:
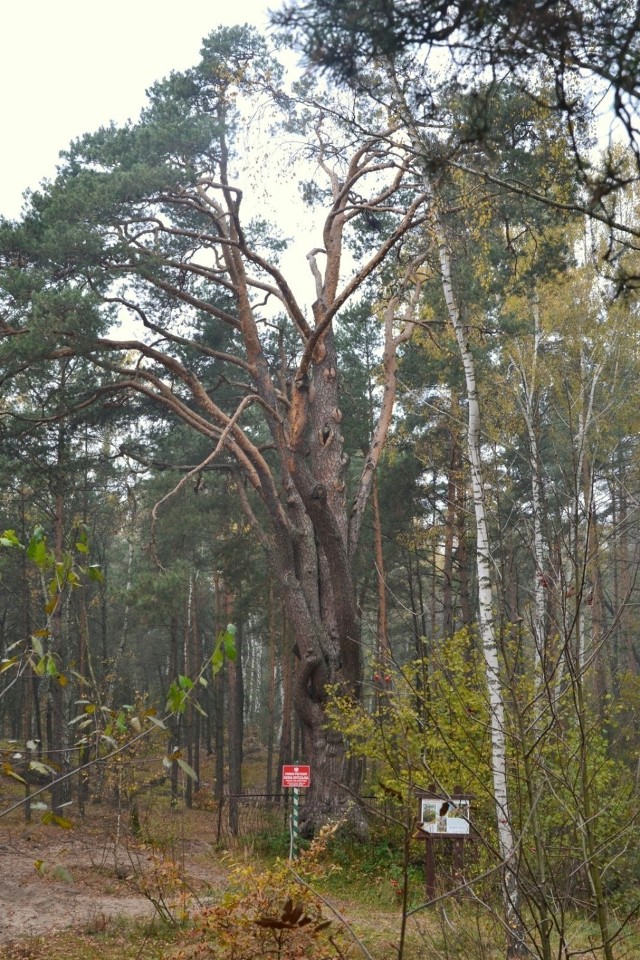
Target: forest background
[(397, 525)]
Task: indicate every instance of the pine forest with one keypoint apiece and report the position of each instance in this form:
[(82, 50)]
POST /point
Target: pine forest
[(319, 446)]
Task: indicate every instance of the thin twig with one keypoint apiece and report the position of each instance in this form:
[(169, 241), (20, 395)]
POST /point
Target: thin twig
[(343, 920)]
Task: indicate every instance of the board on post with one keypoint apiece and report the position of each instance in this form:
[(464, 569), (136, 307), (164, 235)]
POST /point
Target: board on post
[(296, 775), (443, 817)]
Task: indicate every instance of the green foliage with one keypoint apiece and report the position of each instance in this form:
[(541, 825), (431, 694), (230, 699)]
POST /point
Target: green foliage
[(428, 727), (179, 693), (65, 574)]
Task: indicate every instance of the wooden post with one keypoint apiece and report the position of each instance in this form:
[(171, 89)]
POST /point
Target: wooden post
[(430, 868), (458, 861)]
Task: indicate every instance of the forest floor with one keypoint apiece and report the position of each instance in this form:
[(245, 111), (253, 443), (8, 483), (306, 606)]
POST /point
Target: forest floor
[(98, 889), (53, 878)]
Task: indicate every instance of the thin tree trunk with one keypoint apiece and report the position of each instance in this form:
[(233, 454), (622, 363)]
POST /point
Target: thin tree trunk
[(174, 741), (285, 751), (56, 731), (115, 664), (382, 633), (219, 685), (271, 688), (448, 619), (506, 838), (528, 399), (234, 717)]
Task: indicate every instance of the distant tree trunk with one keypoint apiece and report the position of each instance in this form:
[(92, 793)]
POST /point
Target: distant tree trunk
[(529, 402), (624, 581), (453, 480), (462, 556), (56, 729), (418, 612), (191, 670), (271, 687), (234, 716), (285, 752), (197, 672), (29, 676), (114, 664), (218, 734), (382, 633), (595, 593), (174, 740)]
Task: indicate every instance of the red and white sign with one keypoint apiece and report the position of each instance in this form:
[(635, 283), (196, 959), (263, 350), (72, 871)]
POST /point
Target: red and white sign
[(296, 775)]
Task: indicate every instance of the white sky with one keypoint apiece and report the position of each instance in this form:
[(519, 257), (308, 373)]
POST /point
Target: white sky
[(69, 66)]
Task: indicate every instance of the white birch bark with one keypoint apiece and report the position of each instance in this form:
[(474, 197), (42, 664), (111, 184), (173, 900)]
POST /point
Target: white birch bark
[(486, 622), (516, 946)]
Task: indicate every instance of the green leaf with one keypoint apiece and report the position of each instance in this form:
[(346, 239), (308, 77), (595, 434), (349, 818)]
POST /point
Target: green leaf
[(94, 572), (9, 539), (37, 551), (190, 772), (176, 698), (41, 768), (7, 664), (36, 643), (229, 642), (217, 660), (156, 722)]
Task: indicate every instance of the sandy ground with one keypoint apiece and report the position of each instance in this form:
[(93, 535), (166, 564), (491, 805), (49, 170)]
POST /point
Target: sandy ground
[(51, 879)]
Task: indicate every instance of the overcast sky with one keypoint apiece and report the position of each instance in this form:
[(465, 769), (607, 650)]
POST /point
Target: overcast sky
[(70, 66)]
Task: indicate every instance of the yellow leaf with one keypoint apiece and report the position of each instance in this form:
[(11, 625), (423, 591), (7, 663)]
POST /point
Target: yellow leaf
[(8, 771), (6, 664)]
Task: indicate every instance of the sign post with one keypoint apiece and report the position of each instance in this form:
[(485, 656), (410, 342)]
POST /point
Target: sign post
[(443, 817), (295, 776)]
